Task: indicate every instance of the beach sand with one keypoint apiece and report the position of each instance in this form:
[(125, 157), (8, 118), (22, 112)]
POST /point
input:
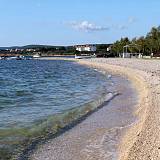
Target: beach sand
[(96, 137), (141, 141)]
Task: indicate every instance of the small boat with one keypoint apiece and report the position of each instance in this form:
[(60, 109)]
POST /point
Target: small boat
[(36, 56), (15, 58), (84, 56), (11, 58)]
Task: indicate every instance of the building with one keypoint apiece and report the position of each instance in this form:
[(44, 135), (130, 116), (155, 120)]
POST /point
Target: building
[(30, 50), (88, 48)]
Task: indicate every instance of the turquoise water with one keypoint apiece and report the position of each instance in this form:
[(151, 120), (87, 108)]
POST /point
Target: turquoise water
[(38, 97)]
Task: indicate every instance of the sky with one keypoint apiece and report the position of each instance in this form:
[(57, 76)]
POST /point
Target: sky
[(69, 22)]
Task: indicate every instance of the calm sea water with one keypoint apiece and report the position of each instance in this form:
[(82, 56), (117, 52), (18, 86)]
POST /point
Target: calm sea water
[(33, 90), (38, 96)]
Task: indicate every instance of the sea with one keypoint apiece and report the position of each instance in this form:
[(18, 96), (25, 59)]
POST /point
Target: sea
[(39, 98)]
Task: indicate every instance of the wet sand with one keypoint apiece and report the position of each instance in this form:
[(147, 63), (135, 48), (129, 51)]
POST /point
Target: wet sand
[(96, 138)]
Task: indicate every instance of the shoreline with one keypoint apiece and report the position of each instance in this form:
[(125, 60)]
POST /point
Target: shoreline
[(115, 131), (141, 140), (132, 131)]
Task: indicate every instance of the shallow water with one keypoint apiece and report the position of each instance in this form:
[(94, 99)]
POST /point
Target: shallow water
[(39, 97), (99, 135), (28, 87)]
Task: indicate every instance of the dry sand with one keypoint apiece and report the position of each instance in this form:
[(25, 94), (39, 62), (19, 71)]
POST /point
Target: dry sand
[(141, 140)]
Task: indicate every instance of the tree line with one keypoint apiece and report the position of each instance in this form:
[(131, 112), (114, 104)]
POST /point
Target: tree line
[(148, 45)]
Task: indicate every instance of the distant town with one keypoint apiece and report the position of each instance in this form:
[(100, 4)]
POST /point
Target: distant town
[(43, 50)]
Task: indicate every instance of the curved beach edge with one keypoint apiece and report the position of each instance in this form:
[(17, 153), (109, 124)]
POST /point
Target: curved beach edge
[(132, 142)]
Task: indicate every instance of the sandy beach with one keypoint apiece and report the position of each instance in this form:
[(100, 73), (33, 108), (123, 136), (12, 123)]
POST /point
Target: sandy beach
[(139, 139)]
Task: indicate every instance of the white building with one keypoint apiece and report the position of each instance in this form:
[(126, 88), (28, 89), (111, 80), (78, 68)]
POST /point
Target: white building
[(89, 48), (30, 50)]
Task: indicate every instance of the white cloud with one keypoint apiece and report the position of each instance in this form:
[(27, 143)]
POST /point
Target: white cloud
[(87, 26), (131, 20)]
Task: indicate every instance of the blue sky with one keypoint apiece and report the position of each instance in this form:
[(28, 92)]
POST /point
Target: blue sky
[(67, 22)]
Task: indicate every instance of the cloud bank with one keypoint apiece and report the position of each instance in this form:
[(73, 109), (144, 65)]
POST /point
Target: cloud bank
[(87, 26)]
